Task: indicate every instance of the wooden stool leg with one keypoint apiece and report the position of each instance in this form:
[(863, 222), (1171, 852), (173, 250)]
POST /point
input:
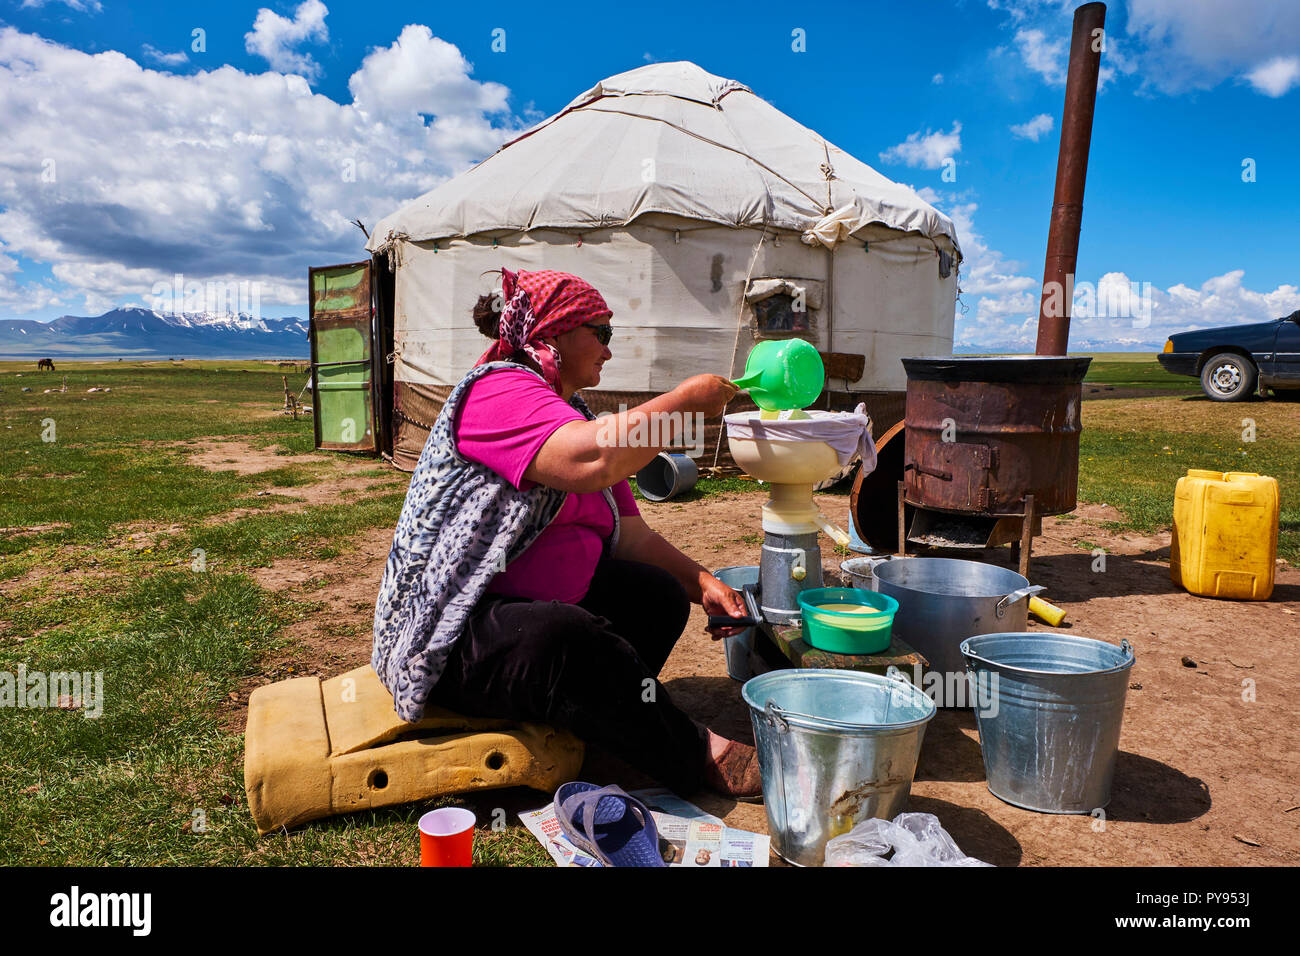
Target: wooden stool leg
[(1027, 536)]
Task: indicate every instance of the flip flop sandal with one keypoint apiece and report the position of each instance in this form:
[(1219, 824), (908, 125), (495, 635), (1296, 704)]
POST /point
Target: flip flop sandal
[(607, 823)]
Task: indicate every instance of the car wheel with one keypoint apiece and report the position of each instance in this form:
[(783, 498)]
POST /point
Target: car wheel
[(1228, 377)]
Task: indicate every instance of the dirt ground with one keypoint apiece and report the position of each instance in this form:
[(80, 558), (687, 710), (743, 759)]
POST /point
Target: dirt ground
[(1206, 775), (1203, 775)]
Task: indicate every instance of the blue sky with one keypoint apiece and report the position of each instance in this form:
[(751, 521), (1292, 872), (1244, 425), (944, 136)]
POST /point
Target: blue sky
[(208, 162)]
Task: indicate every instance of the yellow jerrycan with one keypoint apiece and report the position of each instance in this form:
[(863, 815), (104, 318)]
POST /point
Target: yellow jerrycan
[(1225, 534)]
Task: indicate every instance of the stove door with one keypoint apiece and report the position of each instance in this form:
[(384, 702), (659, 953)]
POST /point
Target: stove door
[(953, 476)]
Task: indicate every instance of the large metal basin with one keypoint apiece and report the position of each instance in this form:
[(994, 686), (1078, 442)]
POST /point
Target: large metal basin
[(943, 601)]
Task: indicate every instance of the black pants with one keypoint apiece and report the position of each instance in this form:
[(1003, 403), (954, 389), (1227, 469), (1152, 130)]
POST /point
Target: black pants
[(589, 667)]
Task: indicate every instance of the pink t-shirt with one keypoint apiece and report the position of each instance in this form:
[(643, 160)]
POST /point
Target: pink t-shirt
[(504, 420)]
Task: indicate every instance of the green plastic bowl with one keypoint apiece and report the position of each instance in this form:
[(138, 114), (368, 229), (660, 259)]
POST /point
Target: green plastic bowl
[(847, 632)]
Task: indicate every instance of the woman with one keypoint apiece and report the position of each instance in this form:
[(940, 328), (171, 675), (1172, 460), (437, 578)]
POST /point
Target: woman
[(523, 582)]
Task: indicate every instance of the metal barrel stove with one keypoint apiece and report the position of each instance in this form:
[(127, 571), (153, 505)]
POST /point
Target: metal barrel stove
[(983, 433), (994, 440)]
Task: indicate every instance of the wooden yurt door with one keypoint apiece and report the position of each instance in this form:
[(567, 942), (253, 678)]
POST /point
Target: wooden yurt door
[(343, 357)]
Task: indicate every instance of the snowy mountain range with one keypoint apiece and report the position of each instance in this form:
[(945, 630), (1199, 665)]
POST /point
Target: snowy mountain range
[(140, 333)]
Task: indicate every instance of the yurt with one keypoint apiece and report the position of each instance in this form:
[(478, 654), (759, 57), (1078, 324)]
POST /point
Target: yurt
[(707, 218)]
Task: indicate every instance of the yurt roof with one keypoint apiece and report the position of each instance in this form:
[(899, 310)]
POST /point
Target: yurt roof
[(667, 138)]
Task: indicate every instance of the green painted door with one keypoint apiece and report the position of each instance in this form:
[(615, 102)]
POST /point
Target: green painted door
[(342, 357)]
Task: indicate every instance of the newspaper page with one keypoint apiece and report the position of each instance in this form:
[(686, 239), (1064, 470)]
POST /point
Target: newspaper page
[(687, 835)]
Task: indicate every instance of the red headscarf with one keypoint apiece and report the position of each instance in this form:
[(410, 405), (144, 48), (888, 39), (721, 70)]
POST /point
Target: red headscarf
[(541, 305)]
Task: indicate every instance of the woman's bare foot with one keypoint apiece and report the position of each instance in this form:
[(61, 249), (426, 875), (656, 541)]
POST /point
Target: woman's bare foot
[(731, 767)]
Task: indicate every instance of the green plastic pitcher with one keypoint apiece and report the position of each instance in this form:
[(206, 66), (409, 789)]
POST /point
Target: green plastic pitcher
[(781, 374)]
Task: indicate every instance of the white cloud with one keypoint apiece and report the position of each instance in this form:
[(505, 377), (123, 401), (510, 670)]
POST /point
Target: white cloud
[(1221, 300), (985, 271), (1172, 45), (220, 174), (81, 6), (1198, 45), (1035, 128), (274, 37), (1116, 312), (998, 310), (1115, 61), (937, 78), (101, 284), (1276, 76), (167, 59), (996, 296), (422, 74), (21, 298), (926, 150), (1021, 10), (1045, 57)]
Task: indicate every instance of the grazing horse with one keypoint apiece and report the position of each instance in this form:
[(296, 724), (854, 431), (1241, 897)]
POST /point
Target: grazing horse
[(45, 363)]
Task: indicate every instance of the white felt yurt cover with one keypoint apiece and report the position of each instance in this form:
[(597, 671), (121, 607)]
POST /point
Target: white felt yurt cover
[(668, 138)]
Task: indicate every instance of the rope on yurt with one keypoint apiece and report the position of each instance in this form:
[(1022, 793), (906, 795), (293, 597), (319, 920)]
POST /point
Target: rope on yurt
[(735, 348), (829, 172)]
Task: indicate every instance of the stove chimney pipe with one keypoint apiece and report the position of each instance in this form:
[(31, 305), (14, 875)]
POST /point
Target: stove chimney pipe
[(1071, 170)]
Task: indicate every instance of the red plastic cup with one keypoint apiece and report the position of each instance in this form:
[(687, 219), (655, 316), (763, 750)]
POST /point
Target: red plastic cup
[(447, 837)]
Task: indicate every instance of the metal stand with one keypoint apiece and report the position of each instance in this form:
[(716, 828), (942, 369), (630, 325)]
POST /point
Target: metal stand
[(1020, 550), (902, 521), (995, 531)]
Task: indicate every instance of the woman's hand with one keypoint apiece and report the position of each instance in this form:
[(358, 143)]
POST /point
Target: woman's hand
[(718, 599), (704, 393)]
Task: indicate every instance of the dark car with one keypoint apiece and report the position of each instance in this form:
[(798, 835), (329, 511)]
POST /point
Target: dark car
[(1233, 361)]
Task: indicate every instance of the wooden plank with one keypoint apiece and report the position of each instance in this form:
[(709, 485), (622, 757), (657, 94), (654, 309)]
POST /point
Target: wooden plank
[(802, 654), (846, 365)]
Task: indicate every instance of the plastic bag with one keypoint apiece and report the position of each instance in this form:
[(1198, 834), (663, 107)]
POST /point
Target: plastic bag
[(913, 839)]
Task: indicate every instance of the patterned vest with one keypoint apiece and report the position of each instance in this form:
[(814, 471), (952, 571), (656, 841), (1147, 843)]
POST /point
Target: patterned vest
[(461, 524)]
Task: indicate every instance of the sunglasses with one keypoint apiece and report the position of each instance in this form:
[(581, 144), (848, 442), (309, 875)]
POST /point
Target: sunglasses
[(603, 332)]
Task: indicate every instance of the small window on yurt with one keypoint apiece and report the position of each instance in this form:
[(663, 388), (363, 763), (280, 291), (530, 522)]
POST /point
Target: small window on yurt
[(784, 306), (780, 313)]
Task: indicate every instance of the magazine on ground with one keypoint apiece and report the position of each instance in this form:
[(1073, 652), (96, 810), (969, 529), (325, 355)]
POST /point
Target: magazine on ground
[(687, 835)]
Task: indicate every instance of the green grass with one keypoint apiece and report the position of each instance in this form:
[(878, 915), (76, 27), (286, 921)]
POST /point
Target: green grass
[(313, 533), (706, 487), (1137, 371), (87, 462), (1132, 456), (170, 647)]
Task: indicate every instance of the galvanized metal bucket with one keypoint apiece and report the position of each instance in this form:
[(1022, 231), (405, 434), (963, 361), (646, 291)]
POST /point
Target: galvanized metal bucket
[(743, 661), (667, 476), (859, 571), (1049, 710), (834, 748), (943, 601)]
